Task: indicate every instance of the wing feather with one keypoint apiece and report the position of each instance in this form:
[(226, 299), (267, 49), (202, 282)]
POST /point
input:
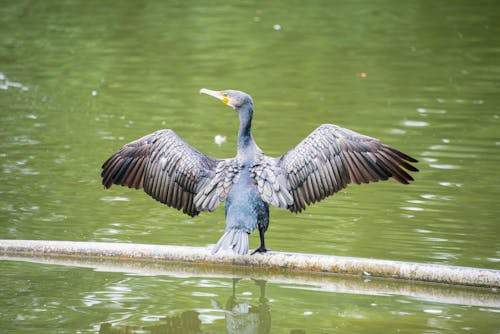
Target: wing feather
[(216, 188), (331, 157), (165, 166)]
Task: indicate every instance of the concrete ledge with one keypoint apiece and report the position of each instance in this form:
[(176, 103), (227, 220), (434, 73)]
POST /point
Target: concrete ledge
[(273, 260)]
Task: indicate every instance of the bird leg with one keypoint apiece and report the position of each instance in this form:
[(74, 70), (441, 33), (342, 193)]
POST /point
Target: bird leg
[(262, 247)]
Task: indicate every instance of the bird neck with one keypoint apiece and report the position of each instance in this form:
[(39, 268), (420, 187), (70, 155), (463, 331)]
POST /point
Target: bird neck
[(246, 145)]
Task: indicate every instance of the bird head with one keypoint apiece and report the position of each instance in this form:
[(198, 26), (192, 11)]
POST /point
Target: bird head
[(233, 98)]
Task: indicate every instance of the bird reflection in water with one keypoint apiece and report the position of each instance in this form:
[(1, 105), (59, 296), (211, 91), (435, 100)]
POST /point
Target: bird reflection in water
[(241, 317)]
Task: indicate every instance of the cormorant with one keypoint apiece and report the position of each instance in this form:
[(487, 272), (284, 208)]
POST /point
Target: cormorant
[(326, 161)]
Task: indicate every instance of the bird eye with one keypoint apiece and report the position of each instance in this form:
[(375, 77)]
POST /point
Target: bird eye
[(225, 94)]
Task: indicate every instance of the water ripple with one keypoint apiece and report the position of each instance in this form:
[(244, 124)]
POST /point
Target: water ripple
[(415, 123), (444, 166), (6, 84)]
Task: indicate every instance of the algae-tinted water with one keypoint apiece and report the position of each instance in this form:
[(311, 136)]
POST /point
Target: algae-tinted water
[(80, 79)]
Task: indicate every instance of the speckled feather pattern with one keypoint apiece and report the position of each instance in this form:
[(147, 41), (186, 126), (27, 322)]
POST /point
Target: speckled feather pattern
[(176, 174), (331, 157), (170, 170)]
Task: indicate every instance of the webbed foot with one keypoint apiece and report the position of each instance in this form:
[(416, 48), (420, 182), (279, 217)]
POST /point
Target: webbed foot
[(259, 250)]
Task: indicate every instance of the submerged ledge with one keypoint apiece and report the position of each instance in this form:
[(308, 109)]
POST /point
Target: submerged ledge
[(435, 273), (359, 285)]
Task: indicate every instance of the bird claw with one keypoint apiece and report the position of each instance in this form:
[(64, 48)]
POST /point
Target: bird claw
[(261, 250)]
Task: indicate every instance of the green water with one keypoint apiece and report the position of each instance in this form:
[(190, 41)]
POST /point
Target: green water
[(80, 79)]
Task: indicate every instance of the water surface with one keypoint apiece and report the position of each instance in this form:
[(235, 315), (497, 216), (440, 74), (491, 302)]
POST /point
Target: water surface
[(127, 297), (80, 79)]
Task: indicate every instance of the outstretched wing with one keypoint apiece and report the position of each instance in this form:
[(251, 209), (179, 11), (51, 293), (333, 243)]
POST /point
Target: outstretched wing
[(331, 157), (169, 169)]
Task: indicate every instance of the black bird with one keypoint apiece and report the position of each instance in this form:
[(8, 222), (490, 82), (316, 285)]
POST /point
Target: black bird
[(176, 174)]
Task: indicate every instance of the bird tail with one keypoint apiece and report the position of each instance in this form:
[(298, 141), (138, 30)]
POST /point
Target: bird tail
[(233, 239)]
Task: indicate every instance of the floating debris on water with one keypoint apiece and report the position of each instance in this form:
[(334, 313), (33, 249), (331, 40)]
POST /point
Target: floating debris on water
[(220, 139)]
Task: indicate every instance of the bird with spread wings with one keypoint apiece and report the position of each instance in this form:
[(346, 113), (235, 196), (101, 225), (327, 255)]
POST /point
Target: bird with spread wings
[(178, 175)]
